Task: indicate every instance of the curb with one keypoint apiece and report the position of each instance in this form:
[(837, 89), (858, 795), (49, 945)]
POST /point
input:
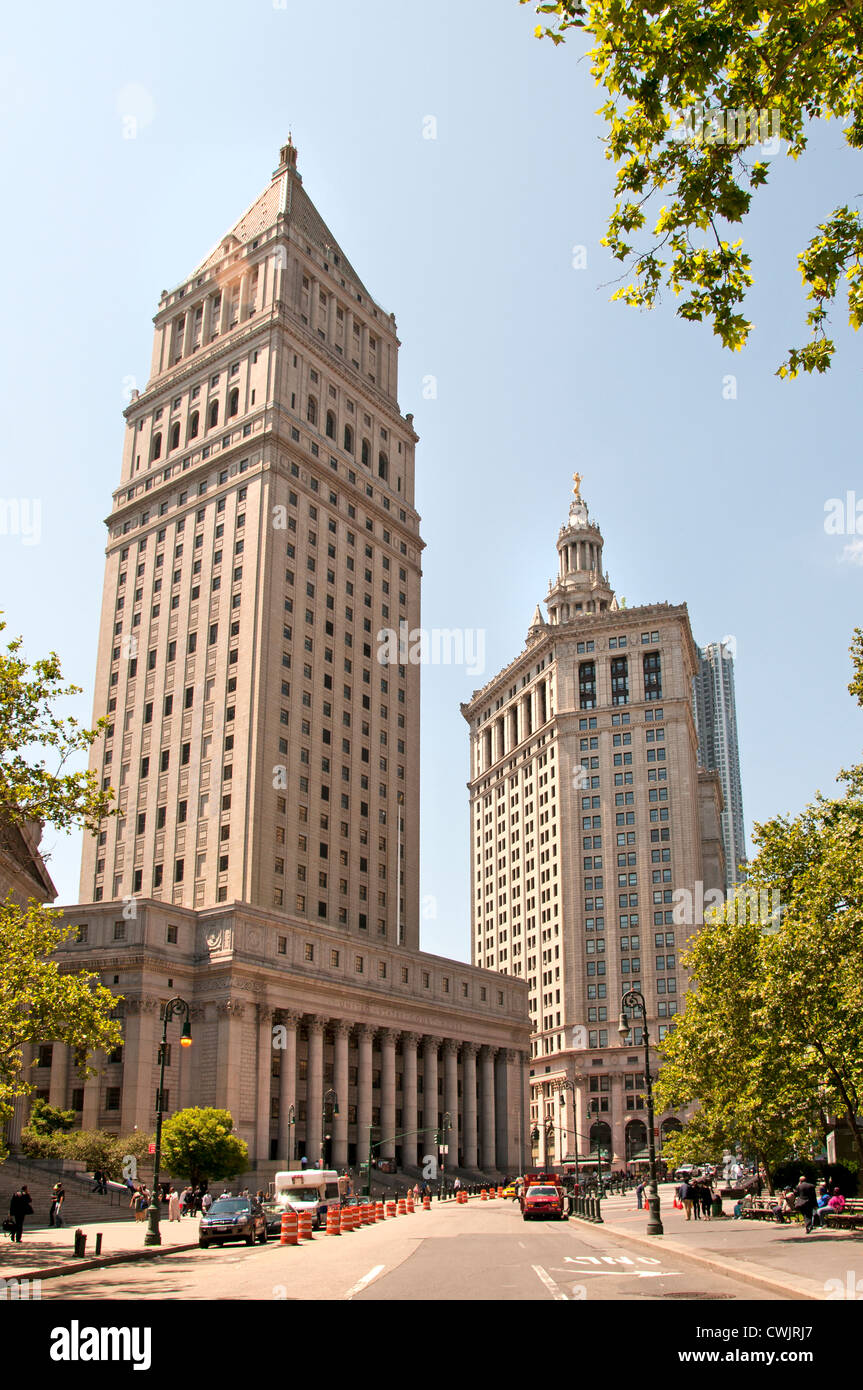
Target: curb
[(79, 1266), (791, 1286)]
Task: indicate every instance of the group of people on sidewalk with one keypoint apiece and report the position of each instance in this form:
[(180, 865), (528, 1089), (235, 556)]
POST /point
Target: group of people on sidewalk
[(696, 1196)]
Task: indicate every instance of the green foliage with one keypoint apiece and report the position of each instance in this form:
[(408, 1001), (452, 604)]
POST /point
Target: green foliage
[(95, 1148), (40, 1003), (664, 64), (197, 1144), (29, 789), (49, 1119), (771, 1042)]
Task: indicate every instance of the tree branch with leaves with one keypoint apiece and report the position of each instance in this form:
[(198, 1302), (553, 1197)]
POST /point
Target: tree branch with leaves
[(664, 65)]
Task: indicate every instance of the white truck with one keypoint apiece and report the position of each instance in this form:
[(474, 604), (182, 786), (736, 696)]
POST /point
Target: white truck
[(312, 1190)]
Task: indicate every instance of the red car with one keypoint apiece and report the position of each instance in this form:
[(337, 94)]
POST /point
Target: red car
[(543, 1200)]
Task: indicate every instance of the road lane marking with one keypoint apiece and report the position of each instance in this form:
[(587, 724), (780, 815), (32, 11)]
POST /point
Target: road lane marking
[(365, 1281), (556, 1292)]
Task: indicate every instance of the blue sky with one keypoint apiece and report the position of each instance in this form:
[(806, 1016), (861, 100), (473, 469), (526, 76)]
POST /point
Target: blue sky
[(468, 238)]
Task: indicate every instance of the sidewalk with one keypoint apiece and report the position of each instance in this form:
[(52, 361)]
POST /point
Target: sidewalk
[(46, 1252), (781, 1258)]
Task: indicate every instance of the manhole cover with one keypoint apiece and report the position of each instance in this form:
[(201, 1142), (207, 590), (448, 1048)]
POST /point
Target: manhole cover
[(708, 1297)]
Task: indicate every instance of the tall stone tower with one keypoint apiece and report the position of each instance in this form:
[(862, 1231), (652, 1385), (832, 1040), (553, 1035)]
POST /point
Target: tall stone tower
[(262, 534), (587, 811), (263, 739)]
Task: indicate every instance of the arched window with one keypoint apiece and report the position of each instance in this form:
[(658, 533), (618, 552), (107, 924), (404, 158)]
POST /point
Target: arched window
[(193, 425), (668, 1127), (312, 411), (156, 450), (600, 1140), (636, 1140), (234, 402), (349, 440), (175, 435), (331, 425), (383, 467), (366, 453), (213, 416)]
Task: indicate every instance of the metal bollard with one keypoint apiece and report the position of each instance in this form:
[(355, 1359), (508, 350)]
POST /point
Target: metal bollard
[(98, 1242), (80, 1243)]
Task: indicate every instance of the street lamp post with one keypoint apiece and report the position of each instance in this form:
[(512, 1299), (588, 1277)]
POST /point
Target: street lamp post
[(180, 1007), (563, 1086), (328, 1095), (292, 1130), (634, 999), (443, 1145)]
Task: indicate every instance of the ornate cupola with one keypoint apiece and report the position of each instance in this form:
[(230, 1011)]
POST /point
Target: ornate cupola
[(582, 587)]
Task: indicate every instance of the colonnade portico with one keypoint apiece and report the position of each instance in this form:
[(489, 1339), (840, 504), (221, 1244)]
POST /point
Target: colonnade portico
[(421, 1079)]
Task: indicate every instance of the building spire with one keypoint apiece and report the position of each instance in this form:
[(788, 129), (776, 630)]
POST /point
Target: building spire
[(581, 587)]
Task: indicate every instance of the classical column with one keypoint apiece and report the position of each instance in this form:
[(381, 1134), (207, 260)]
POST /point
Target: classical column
[(92, 1088), (265, 1072), (388, 1092), (468, 1084), (450, 1100), (140, 1069), (187, 1061), (229, 1056), (513, 1147), (410, 1042), (315, 1090), (342, 1031), (430, 1106), (488, 1157), (58, 1092), (365, 1035), (288, 1084)]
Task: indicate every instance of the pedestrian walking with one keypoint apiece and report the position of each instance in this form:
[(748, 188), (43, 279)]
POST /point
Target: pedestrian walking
[(639, 1195), (58, 1196), (20, 1206), (706, 1198), (805, 1198), (173, 1205), (206, 1202)]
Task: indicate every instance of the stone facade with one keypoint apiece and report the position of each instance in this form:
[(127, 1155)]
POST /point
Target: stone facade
[(265, 758), (280, 1015), (588, 810)]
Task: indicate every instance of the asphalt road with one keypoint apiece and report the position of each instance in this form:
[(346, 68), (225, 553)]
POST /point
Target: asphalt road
[(453, 1253)]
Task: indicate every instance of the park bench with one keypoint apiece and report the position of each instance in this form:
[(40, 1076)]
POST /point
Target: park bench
[(849, 1218), (765, 1209)]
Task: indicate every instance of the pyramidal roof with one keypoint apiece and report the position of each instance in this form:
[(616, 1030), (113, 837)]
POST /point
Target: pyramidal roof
[(284, 198)]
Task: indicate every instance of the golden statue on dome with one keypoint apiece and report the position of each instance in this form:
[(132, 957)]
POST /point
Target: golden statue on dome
[(576, 491)]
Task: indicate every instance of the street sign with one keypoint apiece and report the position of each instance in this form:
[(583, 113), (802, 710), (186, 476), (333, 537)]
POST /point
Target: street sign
[(151, 1148)]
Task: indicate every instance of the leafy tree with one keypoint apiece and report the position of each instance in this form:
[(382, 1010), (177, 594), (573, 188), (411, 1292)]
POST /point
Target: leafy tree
[(29, 790), (724, 1055), (39, 1002), (771, 1041), (664, 64), (49, 1119), (197, 1144)]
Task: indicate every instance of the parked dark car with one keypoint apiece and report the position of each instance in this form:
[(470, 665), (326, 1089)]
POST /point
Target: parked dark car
[(233, 1218), (273, 1213)]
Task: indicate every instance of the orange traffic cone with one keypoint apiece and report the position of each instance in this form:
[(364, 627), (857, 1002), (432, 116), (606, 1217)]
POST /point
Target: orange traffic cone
[(289, 1227), (334, 1224)]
